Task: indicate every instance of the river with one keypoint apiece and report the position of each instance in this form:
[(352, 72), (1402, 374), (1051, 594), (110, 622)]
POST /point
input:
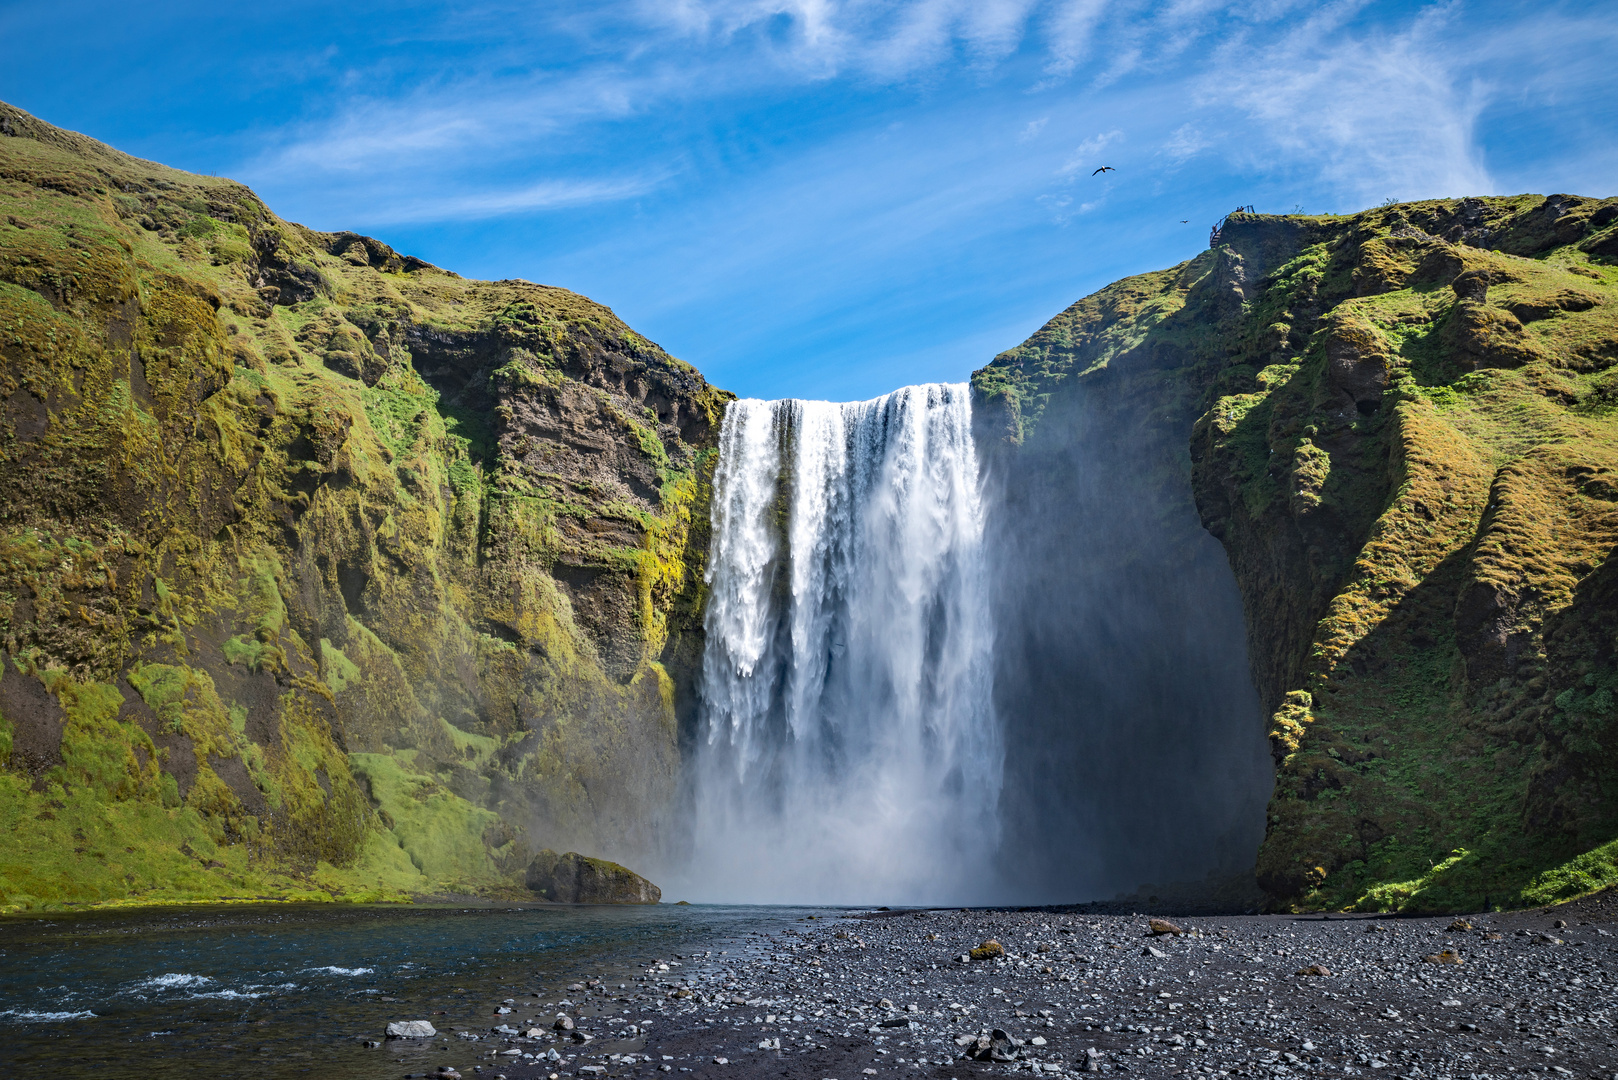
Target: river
[(283, 990)]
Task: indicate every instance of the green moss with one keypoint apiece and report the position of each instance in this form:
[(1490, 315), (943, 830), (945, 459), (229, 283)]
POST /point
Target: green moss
[(1588, 872), (337, 670), (438, 831), (272, 522)]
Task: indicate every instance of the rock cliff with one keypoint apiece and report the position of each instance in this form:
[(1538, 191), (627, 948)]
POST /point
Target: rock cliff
[(1403, 426), (323, 571)]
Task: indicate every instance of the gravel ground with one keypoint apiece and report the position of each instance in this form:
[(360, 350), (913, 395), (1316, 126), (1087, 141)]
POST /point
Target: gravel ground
[(1081, 991)]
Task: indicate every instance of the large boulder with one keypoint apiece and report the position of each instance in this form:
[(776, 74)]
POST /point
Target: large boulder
[(579, 879)]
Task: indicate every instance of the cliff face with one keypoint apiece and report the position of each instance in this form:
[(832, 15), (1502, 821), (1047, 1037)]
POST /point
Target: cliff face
[(1408, 444), (1120, 672), (322, 570)]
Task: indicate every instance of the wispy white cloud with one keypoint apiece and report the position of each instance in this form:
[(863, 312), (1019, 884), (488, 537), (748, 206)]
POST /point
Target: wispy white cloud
[(1184, 142), (884, 40), (1375, 113), (1087, 155), (1070, 29), (1363, 100), (546, 195)]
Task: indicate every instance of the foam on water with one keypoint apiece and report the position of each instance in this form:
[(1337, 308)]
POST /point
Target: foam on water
[(172, 981), (35, 1016)]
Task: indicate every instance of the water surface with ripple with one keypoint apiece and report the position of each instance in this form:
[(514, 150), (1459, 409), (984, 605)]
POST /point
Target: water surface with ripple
[(282, 990)]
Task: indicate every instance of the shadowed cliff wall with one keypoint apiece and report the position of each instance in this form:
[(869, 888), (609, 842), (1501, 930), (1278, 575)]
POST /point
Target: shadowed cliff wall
[(1404, 437), (1135, 748)]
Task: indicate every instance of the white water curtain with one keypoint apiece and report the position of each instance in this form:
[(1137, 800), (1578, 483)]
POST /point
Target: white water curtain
[(847, 750)]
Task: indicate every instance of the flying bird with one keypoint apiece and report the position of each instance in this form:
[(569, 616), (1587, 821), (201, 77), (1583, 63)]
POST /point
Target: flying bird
[(1104, 168), (1185, 221)]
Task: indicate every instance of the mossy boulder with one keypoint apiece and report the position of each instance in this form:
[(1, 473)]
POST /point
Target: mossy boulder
[(579, 879), (988, 950)]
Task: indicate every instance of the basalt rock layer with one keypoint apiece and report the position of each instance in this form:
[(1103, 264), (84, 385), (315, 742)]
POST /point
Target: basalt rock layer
[(323, 571), (1404, 430)]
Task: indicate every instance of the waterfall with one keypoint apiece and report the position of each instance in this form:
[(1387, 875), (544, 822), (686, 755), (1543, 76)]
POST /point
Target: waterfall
[(847, 749)]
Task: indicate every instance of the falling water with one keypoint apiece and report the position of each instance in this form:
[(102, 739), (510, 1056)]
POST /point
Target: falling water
[(847, 750)]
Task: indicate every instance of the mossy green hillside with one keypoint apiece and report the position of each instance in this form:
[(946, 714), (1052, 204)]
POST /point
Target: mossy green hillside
[(1407, 446), (323, 571)]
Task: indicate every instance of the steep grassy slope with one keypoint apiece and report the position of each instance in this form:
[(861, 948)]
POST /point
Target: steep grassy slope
[(1408, 443), (322, 571)]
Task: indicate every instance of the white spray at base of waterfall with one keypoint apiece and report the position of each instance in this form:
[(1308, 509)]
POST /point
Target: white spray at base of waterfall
[(847, 750)]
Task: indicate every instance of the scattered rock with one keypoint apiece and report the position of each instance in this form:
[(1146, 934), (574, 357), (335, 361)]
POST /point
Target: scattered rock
[(1158, 953), (1194, 1014), (1163, 926), (411, 1029), (563, 1022), (996, 1045)]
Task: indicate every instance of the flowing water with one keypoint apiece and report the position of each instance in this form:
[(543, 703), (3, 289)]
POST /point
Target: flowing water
[(288, 990), (847, 749)]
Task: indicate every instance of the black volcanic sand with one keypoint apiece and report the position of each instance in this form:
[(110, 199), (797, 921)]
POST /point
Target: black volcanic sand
[(885, 994)]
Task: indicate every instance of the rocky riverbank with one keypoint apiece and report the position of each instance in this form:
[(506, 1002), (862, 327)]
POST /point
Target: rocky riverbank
[(1081, 991)]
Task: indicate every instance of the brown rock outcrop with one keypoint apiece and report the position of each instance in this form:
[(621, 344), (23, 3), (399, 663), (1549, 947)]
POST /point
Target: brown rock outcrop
[(579, 879)]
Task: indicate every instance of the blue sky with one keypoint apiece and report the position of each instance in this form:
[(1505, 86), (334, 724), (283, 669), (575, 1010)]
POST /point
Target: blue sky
[(830, 198)]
